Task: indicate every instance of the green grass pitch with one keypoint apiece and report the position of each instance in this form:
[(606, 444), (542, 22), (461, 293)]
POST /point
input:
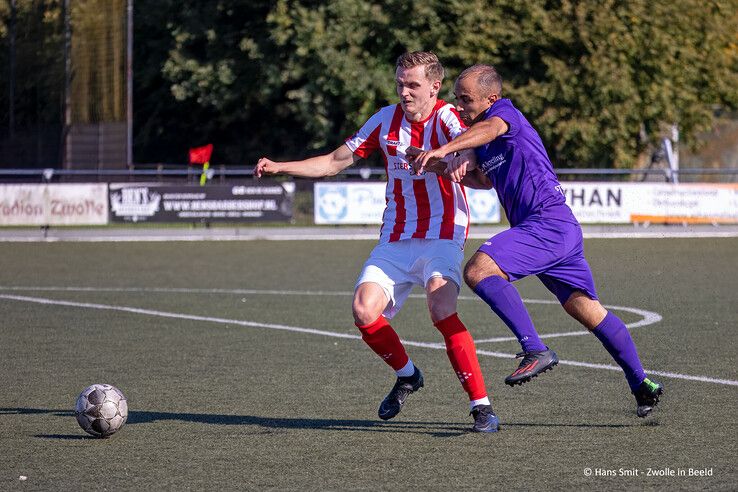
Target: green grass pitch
[(221, 398)]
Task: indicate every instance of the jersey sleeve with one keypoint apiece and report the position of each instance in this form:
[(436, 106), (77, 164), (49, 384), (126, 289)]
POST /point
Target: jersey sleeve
[(365, 141), (451, 124), (504, 110)]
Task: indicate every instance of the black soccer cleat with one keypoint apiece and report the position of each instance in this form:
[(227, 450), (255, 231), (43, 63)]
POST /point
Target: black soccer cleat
[(647, 396), (392, 403), (485, 419), (533, 364)]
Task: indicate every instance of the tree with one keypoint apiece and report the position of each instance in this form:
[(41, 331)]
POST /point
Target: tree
[(38, 83), (39, 76), (599, 80), (204, 73)]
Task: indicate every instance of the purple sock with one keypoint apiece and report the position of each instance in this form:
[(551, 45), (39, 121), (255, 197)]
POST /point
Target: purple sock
[(616, 338), (505, 301)]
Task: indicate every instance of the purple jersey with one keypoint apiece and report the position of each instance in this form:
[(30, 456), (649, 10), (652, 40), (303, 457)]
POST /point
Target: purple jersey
[(520, 170)]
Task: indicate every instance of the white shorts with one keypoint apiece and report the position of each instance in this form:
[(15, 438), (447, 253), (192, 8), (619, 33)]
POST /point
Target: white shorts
[(399, 265)]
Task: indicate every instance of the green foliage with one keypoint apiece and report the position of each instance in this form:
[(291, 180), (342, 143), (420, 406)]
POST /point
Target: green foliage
[(39, 65), (200, 76), (599, 80), (339, 57), (598, 77)]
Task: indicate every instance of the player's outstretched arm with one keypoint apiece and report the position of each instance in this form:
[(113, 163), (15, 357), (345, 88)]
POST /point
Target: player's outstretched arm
[(477, 135), (437, 166), (460, 164), (314, 167), (462, 168)]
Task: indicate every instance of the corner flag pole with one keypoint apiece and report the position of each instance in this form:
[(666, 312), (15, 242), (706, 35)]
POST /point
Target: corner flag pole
[(204, 175)]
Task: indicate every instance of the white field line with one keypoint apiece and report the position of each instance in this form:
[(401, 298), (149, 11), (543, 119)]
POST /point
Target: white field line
[(154, 237), (178, 290), (649, 317), (251, 324)]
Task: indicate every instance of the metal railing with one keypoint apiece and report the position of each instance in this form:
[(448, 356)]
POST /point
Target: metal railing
[(223, 173)]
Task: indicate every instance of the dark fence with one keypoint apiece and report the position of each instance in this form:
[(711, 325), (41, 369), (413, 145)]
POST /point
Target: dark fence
[(224, 174)]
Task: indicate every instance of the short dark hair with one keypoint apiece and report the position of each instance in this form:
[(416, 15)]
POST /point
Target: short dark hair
[(433, 68), (487, 78)]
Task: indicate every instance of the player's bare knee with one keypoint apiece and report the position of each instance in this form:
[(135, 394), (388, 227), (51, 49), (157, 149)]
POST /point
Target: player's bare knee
[(363, 312), (472, 275), (368, 304), (479, 267), (442, 294), (363, 317)]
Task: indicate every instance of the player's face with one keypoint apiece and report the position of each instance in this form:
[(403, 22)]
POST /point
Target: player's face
[(417, 93), (470, 102)]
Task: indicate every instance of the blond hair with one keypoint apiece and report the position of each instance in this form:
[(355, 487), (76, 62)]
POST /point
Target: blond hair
[(433, 68)]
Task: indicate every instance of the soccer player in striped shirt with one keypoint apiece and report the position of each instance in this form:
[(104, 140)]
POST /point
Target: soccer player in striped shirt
[(422, 237), (544, 239)]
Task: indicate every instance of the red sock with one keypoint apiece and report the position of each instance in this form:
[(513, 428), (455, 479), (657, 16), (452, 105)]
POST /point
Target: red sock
[(463, 356), (383, 340)]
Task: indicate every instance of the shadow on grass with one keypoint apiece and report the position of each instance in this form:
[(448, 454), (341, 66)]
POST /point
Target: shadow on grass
[(68, 437), (435, 429), (581, 426)]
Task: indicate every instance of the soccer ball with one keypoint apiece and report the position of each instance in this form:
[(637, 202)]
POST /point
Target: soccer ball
[(101, 410)]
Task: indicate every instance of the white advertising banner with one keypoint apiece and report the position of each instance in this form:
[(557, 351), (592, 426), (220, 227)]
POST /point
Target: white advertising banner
[(594, 203), (689, 203), (364, 202), (660, 203), (53, 204), (484, 207)]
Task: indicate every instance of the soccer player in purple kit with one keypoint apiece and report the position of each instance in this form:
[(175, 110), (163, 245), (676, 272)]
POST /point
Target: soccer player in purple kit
[(544, 239)]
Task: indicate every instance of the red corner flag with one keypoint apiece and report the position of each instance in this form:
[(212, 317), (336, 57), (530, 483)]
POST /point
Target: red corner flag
[(201, 155)]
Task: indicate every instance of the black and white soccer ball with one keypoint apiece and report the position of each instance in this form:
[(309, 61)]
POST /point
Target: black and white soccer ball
[(101, 410)]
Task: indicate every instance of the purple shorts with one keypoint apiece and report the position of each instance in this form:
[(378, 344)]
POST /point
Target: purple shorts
[(549, 248)]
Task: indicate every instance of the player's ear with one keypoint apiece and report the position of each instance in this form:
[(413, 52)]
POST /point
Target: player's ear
[(435, 87), (493, 98)]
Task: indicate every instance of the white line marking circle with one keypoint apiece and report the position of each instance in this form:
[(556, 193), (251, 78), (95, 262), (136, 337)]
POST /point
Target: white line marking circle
[(251, 324), (649, 317)]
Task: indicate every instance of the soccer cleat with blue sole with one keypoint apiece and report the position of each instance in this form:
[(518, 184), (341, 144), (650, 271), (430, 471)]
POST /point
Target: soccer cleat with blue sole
[(395, 399), (485, 419), (647, 396)]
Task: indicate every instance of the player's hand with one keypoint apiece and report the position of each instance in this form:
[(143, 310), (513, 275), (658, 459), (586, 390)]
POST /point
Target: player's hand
[(456, 169), (424, 158), (411, 152), (265, 166)]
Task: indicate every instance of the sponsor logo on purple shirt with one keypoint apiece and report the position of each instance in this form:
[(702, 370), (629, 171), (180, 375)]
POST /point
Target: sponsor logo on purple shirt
[(520, 170)]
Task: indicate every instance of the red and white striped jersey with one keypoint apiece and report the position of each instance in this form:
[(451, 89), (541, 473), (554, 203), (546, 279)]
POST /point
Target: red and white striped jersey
[(426, 206)]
